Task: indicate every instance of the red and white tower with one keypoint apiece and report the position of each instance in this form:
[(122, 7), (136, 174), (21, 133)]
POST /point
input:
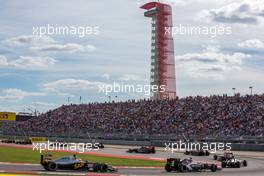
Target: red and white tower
[(162, 50)]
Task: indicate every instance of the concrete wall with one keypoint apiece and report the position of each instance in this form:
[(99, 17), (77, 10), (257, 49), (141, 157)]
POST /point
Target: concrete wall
[(248, 147)]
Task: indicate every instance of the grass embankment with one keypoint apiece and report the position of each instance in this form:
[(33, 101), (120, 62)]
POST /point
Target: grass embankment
[(24, 155)]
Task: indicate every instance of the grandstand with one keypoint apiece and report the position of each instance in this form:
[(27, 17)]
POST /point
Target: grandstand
[(195, 117)]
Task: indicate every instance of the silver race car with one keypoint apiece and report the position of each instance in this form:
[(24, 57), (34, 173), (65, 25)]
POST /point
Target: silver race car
[(73, 163), (229, 160), (189, 165)]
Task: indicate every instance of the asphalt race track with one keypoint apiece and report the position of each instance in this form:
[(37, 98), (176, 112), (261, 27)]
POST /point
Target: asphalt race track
[(255, 165), (39, 170)]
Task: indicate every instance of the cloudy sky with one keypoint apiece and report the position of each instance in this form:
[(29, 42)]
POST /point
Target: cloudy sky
[(42, 72)]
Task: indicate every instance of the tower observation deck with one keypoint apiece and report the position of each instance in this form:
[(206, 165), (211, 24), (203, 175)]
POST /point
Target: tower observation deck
[(162, 74)]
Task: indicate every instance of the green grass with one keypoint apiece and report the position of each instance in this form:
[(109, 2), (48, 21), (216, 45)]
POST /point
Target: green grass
[(12, 154)]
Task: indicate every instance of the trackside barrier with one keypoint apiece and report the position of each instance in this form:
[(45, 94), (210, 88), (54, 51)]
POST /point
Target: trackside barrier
[(158, 143)]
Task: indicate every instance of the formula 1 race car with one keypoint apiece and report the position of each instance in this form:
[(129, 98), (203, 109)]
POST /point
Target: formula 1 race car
[(98, 145), (8, 141), (229, 160), (24, 142), (189, 165), (197, 152), (144, 149), (21, 142), (73, 163)]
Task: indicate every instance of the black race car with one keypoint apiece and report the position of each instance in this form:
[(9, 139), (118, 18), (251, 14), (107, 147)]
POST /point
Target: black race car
[(8, 141), (24, 142), (189, 165), (144, 149), (73, 163), (197, 152), (98, 145), (229, 160)]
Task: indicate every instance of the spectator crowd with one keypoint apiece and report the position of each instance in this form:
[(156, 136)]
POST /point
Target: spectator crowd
[(203, 116)]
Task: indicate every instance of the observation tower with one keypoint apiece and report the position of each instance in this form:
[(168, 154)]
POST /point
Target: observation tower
[(162, 50)]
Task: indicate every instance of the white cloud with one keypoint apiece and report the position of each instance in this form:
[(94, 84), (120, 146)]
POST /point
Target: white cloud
[(60, 86), (18, 94), (106, 76), (175, 2), (3, 61), (130, 77), (27, 62), (244, 12), (252, 44), (69, 47), (25, 40), (41, 104), (210, 63), (46, 44)]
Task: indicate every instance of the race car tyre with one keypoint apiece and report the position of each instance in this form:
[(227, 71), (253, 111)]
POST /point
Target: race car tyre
[(215, 157), (223, 164), (213, 168), (244, 163), (182, 168), (51, 166), (168, 168), (103, 168), (238, 164)]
